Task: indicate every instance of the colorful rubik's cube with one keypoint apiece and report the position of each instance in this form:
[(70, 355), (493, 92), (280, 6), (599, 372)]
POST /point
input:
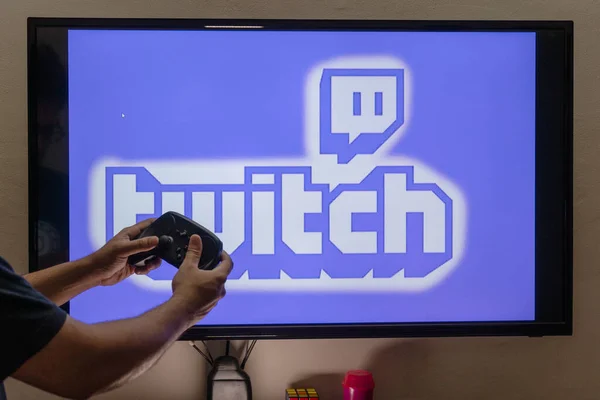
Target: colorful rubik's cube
[(301, 394)]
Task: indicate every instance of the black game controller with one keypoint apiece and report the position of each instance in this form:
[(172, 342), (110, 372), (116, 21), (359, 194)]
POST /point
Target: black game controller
[(174, 231)]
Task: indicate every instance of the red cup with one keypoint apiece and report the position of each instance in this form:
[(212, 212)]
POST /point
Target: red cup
[(358, 385)]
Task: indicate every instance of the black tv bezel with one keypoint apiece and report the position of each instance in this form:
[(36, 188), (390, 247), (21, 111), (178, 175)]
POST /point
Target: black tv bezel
[(554, 173)]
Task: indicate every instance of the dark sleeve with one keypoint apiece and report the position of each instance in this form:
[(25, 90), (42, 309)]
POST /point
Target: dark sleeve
[(28, 321)]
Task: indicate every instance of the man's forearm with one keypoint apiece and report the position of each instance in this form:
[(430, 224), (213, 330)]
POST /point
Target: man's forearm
[(63, 282), (96, 358), (138, 343)]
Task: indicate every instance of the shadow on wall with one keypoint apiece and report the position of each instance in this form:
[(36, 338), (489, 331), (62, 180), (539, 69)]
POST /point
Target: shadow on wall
[(328, 386), (457, 369), (398, 369)]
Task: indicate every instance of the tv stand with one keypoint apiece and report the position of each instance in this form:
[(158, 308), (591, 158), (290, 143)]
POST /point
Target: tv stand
[(228, 381)]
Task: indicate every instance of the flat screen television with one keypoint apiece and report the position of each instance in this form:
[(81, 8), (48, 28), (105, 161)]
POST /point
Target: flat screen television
[(369, 178)]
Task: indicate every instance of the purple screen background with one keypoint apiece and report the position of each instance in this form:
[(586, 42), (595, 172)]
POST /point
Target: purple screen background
[(473, 118)]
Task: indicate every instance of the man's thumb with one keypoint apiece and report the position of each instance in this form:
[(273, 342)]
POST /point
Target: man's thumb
[(194, 251)]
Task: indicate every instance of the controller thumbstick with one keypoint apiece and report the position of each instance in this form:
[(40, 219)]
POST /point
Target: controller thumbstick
[(164, 242)]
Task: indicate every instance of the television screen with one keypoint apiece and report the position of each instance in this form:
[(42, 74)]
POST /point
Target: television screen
[(368, 179)]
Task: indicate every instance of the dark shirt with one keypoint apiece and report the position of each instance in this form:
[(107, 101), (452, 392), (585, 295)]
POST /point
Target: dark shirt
[(28, 321)]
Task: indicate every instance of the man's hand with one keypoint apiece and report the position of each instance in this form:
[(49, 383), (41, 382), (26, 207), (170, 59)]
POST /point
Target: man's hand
[(200, 290), (111, 260)]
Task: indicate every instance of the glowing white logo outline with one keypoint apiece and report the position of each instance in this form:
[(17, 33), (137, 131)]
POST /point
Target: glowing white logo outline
[(353, 172)]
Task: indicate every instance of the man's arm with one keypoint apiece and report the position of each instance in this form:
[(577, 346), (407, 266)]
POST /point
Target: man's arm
[(107, 266), (83, 360), (65, 281)]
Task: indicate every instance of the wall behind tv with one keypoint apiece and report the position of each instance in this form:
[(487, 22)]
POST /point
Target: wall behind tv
[(521, 368)]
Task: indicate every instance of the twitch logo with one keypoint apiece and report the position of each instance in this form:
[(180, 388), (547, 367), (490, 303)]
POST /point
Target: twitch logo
[(347, 216), (360, 110)]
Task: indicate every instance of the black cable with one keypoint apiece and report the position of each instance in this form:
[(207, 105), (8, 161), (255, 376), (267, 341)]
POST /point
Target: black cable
[(248, 352), (227, 346), (208, 351), (208, 360)]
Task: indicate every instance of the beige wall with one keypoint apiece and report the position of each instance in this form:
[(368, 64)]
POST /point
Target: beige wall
[(567, 368)]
